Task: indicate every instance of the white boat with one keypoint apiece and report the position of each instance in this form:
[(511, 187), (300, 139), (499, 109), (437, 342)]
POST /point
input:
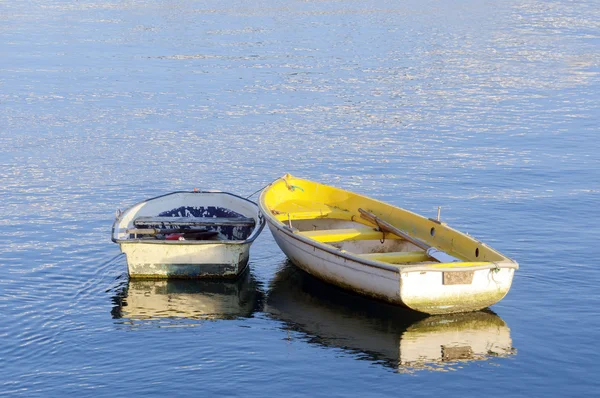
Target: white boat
[(384, 334), (200, 234), (382, 251)]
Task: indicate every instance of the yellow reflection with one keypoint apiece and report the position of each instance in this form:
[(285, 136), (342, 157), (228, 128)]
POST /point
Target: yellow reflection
[(382, 333)]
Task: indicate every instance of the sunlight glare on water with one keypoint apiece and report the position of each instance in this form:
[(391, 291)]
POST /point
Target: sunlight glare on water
[(489, 110)]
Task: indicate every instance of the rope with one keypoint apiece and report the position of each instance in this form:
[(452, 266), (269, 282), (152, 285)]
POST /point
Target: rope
[(290, 187), (255, 192)]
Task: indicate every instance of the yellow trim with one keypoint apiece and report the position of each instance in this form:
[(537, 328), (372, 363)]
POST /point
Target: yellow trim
[(461, 265)]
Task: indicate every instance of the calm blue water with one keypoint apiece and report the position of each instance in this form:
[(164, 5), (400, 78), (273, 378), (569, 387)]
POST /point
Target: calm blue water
[(488, 109)]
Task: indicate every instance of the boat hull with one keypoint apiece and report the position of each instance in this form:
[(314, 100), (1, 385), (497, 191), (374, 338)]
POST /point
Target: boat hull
[(426, 291), (146, 260), (371, 281), (422, 291)]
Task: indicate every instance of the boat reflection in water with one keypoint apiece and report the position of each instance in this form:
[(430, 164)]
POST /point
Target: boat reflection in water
[(395, 337), (168, 302)]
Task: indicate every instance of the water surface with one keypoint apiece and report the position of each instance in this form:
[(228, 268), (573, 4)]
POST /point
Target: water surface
[(489, 110)]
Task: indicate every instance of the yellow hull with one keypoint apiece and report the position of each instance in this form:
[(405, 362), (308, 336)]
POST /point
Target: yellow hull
[(321, 230)]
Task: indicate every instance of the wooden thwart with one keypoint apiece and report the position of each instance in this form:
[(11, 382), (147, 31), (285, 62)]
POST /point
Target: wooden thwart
[(161, 231), (311, 215), (194, 221), (397, 257), (344, 234)]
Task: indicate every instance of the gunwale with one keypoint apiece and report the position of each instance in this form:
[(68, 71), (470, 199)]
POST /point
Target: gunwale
[(274, 218)]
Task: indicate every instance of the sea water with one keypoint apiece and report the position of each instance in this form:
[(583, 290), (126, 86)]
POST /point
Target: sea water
[(487, 109)]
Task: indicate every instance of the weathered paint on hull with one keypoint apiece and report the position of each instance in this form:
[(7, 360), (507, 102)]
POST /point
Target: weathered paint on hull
[(185, 260), (420, 290), (425, 291)]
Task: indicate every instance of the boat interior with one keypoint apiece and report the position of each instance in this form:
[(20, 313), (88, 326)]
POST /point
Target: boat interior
[(191, 216), (193, 223), (371, 229), (348, 231)]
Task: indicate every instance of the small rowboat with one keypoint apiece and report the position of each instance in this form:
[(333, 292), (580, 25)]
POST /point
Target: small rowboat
[(200, 234), (382, 251)]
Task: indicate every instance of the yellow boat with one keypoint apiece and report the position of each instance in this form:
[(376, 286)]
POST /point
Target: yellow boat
[(382, 251)]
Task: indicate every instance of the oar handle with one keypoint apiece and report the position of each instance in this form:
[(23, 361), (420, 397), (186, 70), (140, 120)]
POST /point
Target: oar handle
[(432, 252), (387, 227)]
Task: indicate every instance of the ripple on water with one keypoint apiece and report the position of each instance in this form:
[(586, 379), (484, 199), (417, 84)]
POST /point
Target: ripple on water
[(489, 113)]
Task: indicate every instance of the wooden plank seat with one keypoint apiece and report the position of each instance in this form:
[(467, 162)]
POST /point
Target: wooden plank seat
[(194, 221), (397, 257), (343, 234), (311, 215), (308, 210)]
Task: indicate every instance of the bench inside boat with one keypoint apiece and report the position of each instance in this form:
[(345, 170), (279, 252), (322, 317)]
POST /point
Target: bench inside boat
[(338, 228)]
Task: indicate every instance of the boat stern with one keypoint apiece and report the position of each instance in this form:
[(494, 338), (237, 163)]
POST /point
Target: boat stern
[(185, 261), (444, 292)]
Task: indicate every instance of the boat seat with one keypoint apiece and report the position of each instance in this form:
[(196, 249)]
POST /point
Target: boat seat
[(311, 215), (194, 221), (344, 234), (308, 210), (397, 257)]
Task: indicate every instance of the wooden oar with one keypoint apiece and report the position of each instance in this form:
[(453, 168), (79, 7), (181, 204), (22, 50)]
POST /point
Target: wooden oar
[(432, 252), (158, 231), (194, 221)]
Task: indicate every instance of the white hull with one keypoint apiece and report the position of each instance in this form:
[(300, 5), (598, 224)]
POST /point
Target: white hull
[(420, 289), (145, 260), (224, 255)]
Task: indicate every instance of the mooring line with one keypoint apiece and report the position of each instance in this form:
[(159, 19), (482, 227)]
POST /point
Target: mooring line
[(254, 193)]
